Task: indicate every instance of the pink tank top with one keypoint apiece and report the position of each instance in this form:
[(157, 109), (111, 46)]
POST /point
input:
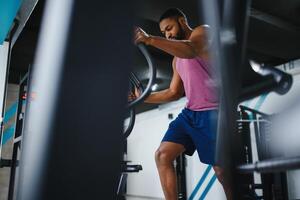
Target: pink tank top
[(199, 86)]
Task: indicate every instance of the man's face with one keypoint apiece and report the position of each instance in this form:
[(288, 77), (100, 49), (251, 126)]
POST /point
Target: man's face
[(171, 29)]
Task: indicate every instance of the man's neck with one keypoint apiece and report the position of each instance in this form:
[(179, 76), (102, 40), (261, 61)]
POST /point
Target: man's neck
[(188, 33)]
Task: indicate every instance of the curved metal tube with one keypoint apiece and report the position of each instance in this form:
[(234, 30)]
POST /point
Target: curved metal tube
[(152, 76), (131, 123), (274, 80), (136, 83)]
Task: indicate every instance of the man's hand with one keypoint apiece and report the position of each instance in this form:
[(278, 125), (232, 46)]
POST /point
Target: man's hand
[(141, 36), (132, 96)]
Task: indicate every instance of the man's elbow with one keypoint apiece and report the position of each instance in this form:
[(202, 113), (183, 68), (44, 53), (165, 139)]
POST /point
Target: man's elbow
[(176, 95)]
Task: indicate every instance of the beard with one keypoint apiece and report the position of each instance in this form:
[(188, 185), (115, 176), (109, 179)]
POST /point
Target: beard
[(180, 35)]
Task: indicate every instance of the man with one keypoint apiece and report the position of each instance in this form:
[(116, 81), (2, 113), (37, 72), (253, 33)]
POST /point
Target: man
[(195, 128)]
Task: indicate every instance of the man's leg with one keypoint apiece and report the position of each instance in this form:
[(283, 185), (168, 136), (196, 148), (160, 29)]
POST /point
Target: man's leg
[(164, 157), (223, 179)]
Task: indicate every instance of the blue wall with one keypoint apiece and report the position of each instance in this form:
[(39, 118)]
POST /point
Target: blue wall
[(8, 11)]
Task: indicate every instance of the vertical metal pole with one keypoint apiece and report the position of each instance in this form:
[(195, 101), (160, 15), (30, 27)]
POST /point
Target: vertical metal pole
[(72, 144), (181, 176), (229, 35)]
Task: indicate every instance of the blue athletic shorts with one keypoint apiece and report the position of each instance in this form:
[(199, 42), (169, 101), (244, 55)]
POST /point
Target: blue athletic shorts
[(195, 130)]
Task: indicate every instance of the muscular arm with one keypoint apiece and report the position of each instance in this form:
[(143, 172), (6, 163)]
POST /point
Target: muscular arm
[(195, 46), (174, 92)]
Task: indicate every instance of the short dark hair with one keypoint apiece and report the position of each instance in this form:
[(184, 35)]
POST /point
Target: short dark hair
[(172, 12)]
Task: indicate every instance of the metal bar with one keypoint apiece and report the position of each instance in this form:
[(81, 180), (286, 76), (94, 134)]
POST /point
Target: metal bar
[(122, 184), (253, 110), (257, 137), (181, 177), (270, 19), (18, 139), (14, 162), (268, 85), (284, 185), (25, 77), (271, 165), (250, 120), (136, 82), (131, 123), (244, 129)]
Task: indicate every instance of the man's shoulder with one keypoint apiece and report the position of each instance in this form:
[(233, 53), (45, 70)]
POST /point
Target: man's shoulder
[(201, 29)]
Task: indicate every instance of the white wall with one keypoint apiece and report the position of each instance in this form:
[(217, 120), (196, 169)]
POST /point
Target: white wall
[(149, 129), (3, 69)]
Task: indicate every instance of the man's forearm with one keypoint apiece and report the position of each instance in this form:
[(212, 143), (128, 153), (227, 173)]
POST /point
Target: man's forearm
[(178, 48), (162, 96)]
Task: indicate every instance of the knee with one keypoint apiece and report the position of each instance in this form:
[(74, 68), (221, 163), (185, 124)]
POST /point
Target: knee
[(162, 157)]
